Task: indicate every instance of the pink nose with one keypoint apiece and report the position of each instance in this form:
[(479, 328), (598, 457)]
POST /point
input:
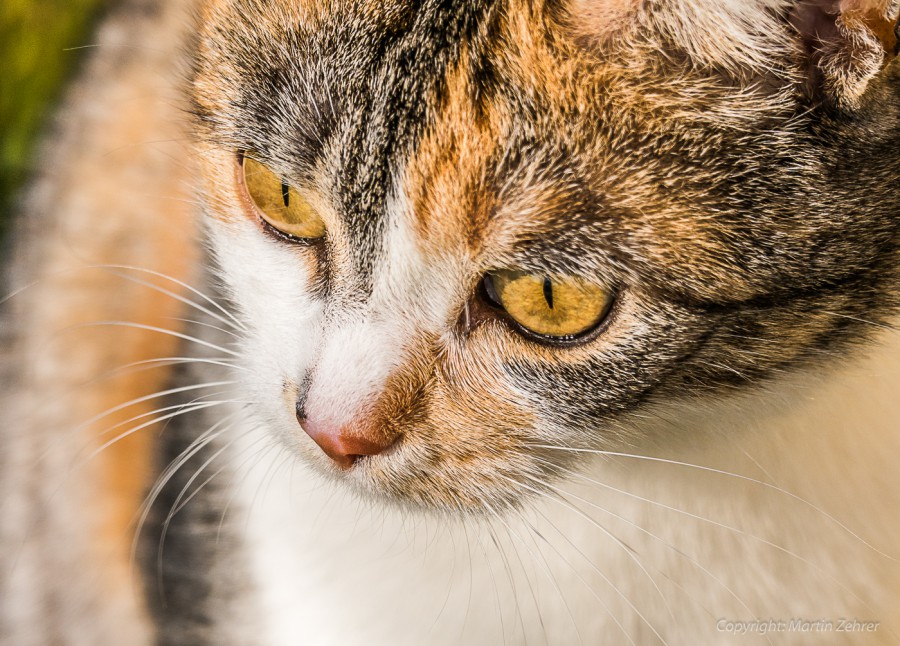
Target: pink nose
[(341, 444)]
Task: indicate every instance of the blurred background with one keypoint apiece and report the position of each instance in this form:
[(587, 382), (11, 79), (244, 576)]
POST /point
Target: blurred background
[(41, 43)]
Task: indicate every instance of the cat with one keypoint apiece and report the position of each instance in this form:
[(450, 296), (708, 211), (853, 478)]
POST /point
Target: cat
[(515, 322)]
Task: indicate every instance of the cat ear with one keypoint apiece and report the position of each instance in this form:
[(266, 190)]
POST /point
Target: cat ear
[(847, 44)]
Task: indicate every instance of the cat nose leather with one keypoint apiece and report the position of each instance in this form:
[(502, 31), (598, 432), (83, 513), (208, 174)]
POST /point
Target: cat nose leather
[(342, 444)]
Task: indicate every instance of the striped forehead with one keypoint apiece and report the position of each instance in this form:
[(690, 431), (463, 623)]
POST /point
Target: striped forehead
[(381, 101), (430, 103), (462, 111), (338, 96)]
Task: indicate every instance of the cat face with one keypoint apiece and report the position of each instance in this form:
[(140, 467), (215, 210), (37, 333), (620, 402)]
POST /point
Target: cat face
[(506, 227)]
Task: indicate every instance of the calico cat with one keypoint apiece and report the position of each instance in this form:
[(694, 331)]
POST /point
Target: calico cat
[(517, 322)]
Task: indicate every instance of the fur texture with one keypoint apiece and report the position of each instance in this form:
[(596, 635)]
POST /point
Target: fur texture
[(710, 455), (722, 207)]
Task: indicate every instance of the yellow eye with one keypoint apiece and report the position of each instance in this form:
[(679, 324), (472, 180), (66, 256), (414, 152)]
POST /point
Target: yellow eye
[(558, 307), (279, 204)]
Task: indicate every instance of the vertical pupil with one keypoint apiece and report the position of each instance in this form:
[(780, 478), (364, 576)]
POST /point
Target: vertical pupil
[(286, 194), (548, 292)]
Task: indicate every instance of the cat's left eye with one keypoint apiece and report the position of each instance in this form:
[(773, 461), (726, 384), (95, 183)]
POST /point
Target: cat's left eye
[(553, 307), (280, 205)]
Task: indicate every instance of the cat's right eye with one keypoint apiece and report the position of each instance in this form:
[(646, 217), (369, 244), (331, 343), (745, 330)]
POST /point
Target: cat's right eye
[(278, 204)]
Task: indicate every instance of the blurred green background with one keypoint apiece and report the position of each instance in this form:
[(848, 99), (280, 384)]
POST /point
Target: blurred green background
[(36, 56)]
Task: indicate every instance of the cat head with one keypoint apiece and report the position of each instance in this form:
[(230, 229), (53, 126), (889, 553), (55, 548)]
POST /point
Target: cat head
[(464, 235)]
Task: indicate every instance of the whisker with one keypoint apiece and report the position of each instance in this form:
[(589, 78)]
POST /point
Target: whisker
[(465, 621), (136, 48), (80, 462), (169, 472), (626, 548), (605, 578), (546, 566), (512, 584), (647, 532), (496, 588), (181, 501), (204, 324), (227, 318), (181, 283), (883, 326), (224, 315), (581, 578), (443, 607), (182, 405), (531, 589), (153, 328), (166, 362), (261, 440), (144, 398), (131, 368), (157, 420), (738, 476), (729, 528)]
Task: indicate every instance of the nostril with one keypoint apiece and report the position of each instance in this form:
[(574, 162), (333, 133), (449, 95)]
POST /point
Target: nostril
[(300, 410)]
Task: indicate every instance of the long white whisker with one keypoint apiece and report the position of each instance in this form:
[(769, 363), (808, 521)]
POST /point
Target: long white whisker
[(206, 325), (584, 582), (882, 326), (181, 405), (226, 319), (131, 431), (500, 612), (506, 563), (169, 472), (182, 500), (153, 328), (166, 362), (627, 549), (443, 607), (647, 532), (260, 440), (184, 408), (738, 476), (180, 283), (144, 398), (729, 528), (547, 569), (530, 587), (593, 566)]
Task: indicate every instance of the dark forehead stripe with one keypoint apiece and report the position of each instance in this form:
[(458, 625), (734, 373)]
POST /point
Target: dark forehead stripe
[(404, 88)]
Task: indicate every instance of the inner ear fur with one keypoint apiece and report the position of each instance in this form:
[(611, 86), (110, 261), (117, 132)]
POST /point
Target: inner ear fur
[(847, 44)]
